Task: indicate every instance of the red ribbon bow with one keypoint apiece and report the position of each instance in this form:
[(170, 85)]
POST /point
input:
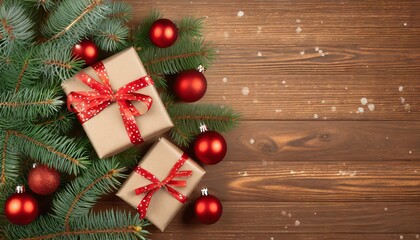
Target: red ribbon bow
[(87, 104), (153, 187)]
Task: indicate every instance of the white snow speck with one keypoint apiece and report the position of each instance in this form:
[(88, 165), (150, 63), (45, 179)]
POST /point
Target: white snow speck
[(259, 54), (251, 141), (371, 107), (333, 109), (402, 100), (245, 91), (316, 116), (297, 223), (240, 13), (401, 237), (316, 49), (283, 82), (407, 107), (346, 88), (259, 29), (225, 79), (289, 215), (322, 22), (320, 51), (283, 213), (410, 152), (298, 20), (400, 88), (323, 101), (243, 173), (272, 238), (224, 97), (405, 24), (323, 54), (226, 35), (417, 236), (385, 209), (298, 30), (347, 173), (302, 52), (278, 110), (364, 100), (315, 213), (360, 110), (255, 101)]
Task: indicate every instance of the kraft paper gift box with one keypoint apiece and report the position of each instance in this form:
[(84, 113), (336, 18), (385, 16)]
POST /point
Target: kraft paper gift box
[(106, 130), (159, 161)]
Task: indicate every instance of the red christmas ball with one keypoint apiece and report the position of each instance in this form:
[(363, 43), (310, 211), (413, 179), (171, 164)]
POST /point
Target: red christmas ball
[(210, 147), (21, 208), (208, 209), (43, 180), (87, 51), (190, 86), (163, 33)]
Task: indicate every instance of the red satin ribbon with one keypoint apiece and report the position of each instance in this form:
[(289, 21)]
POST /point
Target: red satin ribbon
[(87, 104), (153, 187)]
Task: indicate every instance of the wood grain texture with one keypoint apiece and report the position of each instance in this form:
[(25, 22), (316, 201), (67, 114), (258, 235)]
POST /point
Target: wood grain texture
[(307, 145)]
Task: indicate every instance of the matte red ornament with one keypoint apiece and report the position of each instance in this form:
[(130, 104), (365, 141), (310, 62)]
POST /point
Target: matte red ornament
[(87, 51), (43, 180), (163, 33), (190, 86), (210, 147), (21, 208), (208, 209)]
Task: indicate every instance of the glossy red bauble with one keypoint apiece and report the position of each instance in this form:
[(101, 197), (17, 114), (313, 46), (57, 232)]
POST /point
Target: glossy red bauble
[(87, 51), (21, 208), (208, 209), (210, 147), (190, 86), (43, 180), (163, 33)]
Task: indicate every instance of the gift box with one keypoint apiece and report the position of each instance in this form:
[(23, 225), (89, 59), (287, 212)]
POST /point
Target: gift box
[(117, 104), (161, 183)]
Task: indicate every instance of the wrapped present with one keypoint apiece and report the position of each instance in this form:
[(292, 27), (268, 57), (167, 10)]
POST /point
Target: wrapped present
[(161, 183), (117, 104)]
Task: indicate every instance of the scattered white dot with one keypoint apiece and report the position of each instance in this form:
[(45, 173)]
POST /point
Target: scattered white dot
[(255, 101), (333, 109), (245, 174), (346, 88), (226, 35), (316, 49), (364, 100), (283, 213), (323, 101), (225, 79), (245, 91), (298, 30), (309, 102), (323, 54), (297, 223), (289, 215), (410, 152), (251, 141), (322, 22), (405, 24), (320, 51), (272, 238), (385, 209), (360, 109), (316, 116), (259, 29), (283, 82), (302, 52), (387, 138), (417, 236), (240, 13), (224, 97), (407, 106), (278, 110), (298, 20), (402, 100), (371, 107), (259, 54), (315, 213), (401, 237), (400, 88)]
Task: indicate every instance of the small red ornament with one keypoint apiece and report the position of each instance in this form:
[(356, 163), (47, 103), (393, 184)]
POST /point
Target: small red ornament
[(21, 208), (208, 209), (87, 51), (210, 147), (43, 180), (163, 33), (190, 86)]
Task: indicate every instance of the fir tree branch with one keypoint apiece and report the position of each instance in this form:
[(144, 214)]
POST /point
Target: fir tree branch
[(9, 160), (141, 35), (111, 35), (121, 11), (60, 123), (190, 27), (45, 4), (85, 191), (60, 152), (15, 26)]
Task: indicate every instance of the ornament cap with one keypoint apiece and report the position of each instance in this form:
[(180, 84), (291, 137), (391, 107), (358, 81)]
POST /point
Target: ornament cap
[(20, 189), (34, 165), (204, 192), (201, 68), (203, 127)]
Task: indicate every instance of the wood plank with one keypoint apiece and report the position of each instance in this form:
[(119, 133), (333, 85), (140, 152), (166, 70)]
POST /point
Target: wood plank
[(312, 141), (249, 218), (333, 97), (382, 23)]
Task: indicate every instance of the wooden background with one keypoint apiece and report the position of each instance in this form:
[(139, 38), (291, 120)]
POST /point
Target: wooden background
[(309, 160)]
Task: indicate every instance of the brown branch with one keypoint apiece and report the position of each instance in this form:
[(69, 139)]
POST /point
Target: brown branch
[(57, 63), (3, 159), (49, 148), (22, 72), (202, 118), (78, 196), (185, 55), (8, 28), (129, 229), (87, 10), (62, 117), (19, 104)]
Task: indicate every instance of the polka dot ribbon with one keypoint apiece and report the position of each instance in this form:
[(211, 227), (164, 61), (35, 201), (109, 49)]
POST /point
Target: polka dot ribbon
[(153, 187), (88, 104)]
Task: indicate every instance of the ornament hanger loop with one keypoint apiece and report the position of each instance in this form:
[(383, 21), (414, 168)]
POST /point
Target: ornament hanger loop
[(204, 191)]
